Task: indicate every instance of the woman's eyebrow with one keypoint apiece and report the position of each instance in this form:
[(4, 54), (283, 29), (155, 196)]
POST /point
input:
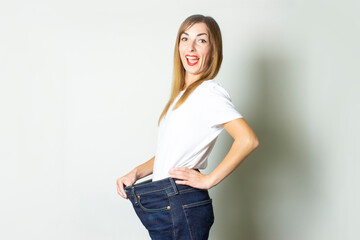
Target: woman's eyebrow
[(196, 35)]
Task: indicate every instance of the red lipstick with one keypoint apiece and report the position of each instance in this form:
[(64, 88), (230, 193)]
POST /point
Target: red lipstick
[(192, 59)]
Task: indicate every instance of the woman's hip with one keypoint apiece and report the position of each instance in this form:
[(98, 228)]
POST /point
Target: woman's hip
[(169, 209)]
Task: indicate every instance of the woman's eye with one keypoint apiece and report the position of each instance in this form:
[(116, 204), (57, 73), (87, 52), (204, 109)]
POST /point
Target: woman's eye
[(183, 38), (202, 40)]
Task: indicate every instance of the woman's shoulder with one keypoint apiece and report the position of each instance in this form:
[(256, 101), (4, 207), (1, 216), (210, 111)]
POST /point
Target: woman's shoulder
[(213, 87)]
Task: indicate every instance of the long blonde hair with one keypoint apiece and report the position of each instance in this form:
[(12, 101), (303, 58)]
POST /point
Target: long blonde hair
[(179, 70)]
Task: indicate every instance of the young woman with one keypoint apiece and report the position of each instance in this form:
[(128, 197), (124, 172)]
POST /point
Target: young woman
[(175, 204)]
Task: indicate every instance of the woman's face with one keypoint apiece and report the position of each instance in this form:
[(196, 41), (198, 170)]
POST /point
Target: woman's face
[(195, 49)]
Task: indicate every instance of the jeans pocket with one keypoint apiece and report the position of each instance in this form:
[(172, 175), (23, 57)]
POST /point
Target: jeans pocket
[(153, 211), (155, 202), (200, 217)]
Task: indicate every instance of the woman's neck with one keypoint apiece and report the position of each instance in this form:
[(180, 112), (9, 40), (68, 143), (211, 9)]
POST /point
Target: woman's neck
[(189, 79)]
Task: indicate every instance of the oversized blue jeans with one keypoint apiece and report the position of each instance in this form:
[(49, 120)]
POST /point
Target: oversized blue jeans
[(171, 211)]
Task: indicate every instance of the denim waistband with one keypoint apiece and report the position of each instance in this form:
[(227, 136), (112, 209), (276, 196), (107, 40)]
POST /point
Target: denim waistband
[(153, 186)]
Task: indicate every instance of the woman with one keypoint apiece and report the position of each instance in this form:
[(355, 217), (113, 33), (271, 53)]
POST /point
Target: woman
[(175, 204)]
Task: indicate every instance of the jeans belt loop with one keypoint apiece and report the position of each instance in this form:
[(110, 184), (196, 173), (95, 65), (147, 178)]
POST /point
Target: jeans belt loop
[(135, 197), (172, 181)]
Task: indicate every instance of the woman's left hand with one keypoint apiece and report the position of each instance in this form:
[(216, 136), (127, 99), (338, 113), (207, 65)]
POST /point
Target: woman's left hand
[(191, 178)]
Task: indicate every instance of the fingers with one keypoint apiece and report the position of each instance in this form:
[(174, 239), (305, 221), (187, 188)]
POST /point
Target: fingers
[(187, 176), (120, 188), (191, 183), (179, 174), (127, 180), (176, 174), (183, 173), (190, 177), (182, 182)]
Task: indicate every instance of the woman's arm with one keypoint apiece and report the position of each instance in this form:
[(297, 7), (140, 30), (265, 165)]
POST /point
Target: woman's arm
[(137, 173), (144, 169), (245, 141)]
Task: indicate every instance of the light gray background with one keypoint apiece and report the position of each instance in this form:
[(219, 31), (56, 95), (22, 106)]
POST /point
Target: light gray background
[(84, 82)]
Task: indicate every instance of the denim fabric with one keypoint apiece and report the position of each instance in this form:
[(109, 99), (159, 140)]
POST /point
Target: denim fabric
[(170, 211)]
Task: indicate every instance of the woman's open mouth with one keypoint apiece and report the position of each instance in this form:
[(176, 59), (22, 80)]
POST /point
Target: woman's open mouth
[(192, 59)]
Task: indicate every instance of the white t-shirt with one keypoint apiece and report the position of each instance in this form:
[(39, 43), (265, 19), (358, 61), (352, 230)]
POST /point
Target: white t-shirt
[(187, 135)]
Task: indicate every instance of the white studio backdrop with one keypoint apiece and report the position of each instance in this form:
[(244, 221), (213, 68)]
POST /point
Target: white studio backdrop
[(82, 84)]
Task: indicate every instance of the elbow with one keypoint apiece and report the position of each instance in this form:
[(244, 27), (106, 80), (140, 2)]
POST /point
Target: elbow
[(255, 143), (251, 142)]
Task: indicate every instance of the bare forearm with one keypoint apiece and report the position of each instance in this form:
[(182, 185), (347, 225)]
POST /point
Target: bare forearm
[(239, 150), (144, 169)]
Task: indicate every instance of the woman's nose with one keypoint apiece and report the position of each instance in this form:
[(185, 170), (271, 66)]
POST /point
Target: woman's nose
[(191, 46)]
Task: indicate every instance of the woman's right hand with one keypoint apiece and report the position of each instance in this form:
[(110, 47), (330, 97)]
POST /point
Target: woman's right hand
[(127, 180)]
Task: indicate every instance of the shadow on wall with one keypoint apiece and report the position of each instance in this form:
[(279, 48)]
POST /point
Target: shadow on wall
[(267, 197)]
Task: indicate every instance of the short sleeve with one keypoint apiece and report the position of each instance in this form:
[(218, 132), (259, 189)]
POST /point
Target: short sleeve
[(218, 107)]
